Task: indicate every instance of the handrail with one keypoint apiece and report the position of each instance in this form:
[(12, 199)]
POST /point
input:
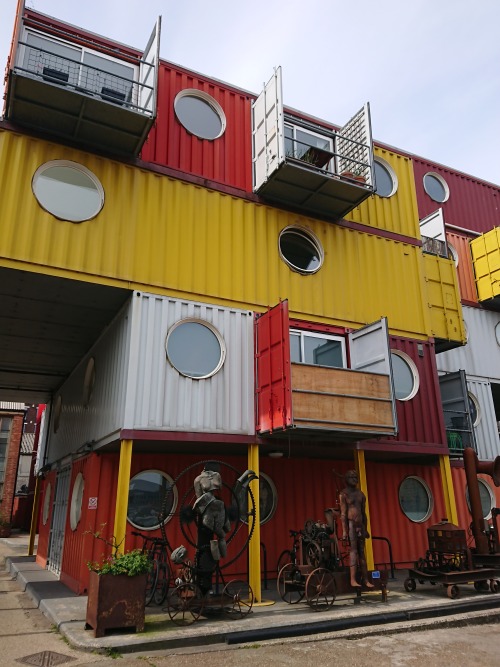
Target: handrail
[(385, 539)]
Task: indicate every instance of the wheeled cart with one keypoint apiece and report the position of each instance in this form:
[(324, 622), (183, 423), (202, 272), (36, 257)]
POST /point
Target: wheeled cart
[(483, 579)]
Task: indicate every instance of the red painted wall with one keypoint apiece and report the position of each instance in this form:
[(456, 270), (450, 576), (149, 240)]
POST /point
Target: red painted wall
[(228, 159), (472, 204), (44, 528), (465, 272)]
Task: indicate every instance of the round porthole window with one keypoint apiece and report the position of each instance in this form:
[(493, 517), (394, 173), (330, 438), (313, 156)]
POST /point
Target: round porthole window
[(452, 253), (301, 250), (385, 178), (68, 190), (487, 498), (88, 381), (415, 499), (57, 413), (405, 374), (200, 114), (75, 510), (46, 503), (436, 187), (195, 348), (497, 333), (475, 414), (148, 490)]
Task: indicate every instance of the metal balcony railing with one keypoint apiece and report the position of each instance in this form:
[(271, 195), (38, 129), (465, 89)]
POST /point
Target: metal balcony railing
[(108, 86)]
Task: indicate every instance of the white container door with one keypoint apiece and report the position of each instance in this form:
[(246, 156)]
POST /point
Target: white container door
[(268, 130), (56, 540)]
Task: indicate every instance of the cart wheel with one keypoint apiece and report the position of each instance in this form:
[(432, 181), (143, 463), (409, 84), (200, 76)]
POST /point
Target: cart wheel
[(313, 554), (237, 599), (481, 586), (320, 589), (410, 585), (290, 584), (185, 604), (453, 592), (494, 585)]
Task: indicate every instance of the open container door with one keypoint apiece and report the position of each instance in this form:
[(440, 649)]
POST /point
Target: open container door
[(456, 411), (370, 352), (268, 130), (274, 395), (148, 72), (433, 233), (354, 146)]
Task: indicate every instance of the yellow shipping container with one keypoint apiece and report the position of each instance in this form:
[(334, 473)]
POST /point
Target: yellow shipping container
[(486, 261)]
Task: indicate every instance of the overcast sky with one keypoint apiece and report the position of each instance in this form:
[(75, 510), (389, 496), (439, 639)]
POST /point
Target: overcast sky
[(429, 68)]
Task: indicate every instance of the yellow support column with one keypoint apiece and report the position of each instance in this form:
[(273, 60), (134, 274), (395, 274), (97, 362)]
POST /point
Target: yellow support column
[(254, 575), (448, 490), (359, 461), (122, 494)]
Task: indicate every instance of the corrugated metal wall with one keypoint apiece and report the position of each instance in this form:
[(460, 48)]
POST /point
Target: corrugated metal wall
[(184, 239), (460, 485), (228, 159), (486, 429), (42, 550), (485, 252), (481, 355), (465, 272), (165, 399), (408, 539), (103, 417), (472, 204), (397, 214)]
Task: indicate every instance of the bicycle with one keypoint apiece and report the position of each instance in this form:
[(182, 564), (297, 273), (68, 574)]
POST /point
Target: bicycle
[(158, 579)]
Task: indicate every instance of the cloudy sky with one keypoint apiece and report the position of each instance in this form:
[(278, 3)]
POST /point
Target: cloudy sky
[(429, 68)]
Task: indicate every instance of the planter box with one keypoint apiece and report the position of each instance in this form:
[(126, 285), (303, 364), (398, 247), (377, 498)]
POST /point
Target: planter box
[(115, 602)]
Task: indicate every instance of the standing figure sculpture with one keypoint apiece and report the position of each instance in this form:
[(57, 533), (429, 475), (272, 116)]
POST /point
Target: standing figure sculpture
[(354, 527)]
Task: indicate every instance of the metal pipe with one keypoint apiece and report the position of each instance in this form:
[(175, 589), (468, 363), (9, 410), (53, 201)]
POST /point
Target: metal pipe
[(385, 539)]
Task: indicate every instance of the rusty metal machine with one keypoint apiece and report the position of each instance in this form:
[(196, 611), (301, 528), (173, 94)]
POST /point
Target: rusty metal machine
[(449, 560)]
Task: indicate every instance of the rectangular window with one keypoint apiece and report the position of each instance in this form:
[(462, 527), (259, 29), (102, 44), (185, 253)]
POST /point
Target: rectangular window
[(308, 146), (5, 425), (317, 349)]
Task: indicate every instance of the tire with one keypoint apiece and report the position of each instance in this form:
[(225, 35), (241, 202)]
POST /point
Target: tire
[(163, 580), (285, 557), (151, 581)]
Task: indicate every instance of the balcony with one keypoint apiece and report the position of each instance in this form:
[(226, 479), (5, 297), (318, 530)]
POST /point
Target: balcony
[(82, 95), (319, 396), (485, 252), (305, 166)]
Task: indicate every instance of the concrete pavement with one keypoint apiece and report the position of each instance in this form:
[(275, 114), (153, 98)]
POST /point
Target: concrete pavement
[(428, 606)]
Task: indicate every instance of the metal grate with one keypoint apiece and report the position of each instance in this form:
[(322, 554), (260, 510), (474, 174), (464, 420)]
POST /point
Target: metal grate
[(45, 659)]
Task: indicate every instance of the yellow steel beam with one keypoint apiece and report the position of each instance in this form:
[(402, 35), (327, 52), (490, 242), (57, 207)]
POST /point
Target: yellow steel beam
[(122, 490), (254, 545), (448, 490), (359, 461)]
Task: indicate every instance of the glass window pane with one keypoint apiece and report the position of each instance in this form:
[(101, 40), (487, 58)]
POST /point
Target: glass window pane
[(148, 491), (194, 349), (403, 377), (300, 251), (199, 116), (322, 352), (486, 500), (383, 180), (68, 191), (106, 77), (295, 355), (435, 188), (52, 60), (415, 499)]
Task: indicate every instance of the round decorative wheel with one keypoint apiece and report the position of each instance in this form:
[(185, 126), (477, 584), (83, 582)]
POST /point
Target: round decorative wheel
[(238, 500), (494, 585), (285, 557), (290, 584), (409, 584), (453, 592), (237, 599), (481, 586), (312, 554), (310, 529), (185, 604), (320, 589), (151, 581)]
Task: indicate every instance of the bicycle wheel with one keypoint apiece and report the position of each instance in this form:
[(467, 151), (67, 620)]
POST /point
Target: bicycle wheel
[(285, 557), (163, 580), (151, 580)]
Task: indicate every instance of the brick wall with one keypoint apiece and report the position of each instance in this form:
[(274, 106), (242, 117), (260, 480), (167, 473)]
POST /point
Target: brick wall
[(11, 461)]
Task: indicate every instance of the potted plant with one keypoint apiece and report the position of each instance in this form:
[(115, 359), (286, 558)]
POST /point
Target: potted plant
[(5, 525), (357, 173), (117, 589)]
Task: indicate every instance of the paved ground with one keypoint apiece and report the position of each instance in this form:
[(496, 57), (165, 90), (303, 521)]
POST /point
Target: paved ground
[(33, 598)]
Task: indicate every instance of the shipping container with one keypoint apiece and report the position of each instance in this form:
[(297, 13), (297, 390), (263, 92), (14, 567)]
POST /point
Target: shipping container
[(163, 365), (467, 202), (486, 262), (459, 246)]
